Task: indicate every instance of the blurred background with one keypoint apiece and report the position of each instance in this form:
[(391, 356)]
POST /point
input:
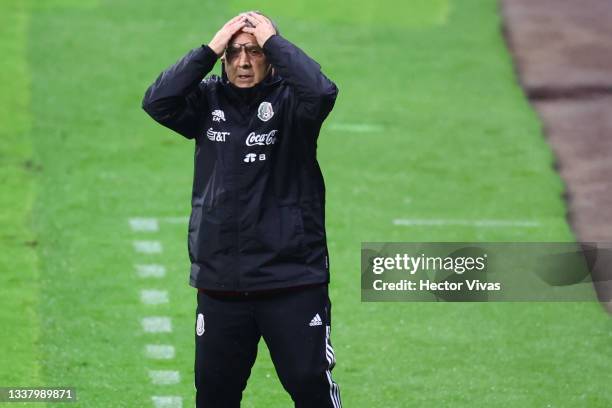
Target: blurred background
[(466, 120)]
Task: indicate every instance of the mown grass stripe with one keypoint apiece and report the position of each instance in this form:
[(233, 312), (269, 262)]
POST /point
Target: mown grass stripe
[(19, 315)]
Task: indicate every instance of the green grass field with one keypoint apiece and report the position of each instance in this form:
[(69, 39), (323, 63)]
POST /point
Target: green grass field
[(430, 124)]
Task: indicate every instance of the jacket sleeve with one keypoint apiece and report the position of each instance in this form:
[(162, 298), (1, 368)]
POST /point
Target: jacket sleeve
[(316, 94), (175, 99)]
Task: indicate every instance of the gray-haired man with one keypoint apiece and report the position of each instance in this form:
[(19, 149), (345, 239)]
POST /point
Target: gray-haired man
[(257, 239)]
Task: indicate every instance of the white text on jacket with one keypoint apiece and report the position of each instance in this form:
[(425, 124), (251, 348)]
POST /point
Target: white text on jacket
[(216, 136), (261, 139)]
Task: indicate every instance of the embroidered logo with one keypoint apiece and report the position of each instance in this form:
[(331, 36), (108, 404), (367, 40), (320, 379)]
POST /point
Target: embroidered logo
[(265, 111), (218, 115), (216, 136), (262, 139), (249, 158), (200, 325)]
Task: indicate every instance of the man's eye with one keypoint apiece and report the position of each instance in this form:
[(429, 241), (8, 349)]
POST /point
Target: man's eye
[(234, 50)]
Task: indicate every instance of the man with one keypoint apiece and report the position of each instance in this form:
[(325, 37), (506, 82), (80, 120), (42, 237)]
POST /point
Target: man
[(257, 240)]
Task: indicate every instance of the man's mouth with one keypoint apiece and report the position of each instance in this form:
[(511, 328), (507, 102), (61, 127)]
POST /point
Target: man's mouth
[(244, 76)]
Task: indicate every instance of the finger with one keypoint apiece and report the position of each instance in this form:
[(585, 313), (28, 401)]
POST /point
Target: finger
[(255, 18), (234, 20), (237, 27), (261, 19), (238, 20), (245, 16), (229, 23), (250, 22), (248, 30)]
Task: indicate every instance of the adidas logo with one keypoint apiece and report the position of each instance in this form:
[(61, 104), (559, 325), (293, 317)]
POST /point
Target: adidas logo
[(316, 321)]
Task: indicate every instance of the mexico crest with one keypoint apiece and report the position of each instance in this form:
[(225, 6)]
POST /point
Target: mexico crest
[(200, 325), (265, 111)]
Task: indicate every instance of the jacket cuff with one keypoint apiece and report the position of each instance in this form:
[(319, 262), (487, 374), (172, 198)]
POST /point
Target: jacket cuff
[(270, 41), (208, 52)]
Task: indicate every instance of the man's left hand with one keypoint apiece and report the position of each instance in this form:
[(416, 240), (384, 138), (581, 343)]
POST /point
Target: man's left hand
[(262, 30)]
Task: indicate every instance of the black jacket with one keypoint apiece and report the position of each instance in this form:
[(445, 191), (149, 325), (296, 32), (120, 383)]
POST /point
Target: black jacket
[(258, 203)]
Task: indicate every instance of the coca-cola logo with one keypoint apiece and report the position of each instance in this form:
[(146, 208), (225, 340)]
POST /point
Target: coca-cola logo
[(263, 139)]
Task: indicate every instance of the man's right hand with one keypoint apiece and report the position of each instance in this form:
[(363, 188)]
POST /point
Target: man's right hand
[(220, 40)]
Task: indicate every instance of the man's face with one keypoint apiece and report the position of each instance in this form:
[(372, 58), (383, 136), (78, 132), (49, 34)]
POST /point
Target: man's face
[(245, 61)]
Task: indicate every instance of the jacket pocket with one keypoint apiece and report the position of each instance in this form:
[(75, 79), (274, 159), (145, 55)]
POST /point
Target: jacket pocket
[(192, 232), (281, 230), (295, 231), (206, 239)]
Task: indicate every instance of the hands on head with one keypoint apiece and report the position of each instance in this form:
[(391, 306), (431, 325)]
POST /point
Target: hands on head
[(260, 26), (250, 22)]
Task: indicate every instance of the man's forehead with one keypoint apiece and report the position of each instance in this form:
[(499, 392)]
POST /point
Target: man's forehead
[(243, 39)]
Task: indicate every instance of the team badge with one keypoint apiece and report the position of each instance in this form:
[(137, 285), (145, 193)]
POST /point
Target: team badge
[(265, 111), (200, 325)]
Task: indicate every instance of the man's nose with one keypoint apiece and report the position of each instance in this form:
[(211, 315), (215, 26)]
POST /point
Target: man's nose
[(243, 59)]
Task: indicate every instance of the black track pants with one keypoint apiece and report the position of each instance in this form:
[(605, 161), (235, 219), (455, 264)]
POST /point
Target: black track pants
[(296, 328)]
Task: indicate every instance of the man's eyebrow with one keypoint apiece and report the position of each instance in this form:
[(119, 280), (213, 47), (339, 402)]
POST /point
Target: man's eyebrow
[(249, 43)]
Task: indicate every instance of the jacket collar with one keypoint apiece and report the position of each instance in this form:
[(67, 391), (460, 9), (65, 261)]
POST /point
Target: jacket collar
[(250, 96)]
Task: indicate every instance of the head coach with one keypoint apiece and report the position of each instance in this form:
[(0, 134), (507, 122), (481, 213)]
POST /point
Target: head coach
[(257, 241)]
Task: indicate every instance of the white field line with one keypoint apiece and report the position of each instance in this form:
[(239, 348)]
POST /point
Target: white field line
[(153, 296), (167, 402), (491, 223), (148, 247), (356, 127), (150, 271), (144, 224), (159, 351), (164, 377), (156, 324)]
